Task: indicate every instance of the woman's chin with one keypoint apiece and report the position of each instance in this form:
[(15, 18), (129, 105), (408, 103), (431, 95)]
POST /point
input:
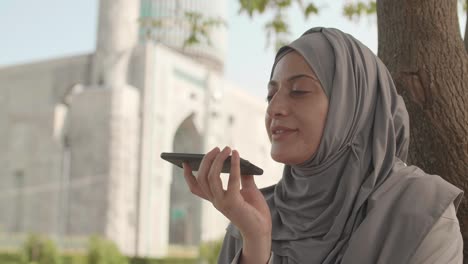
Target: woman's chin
[(282, 158), (289, 157)]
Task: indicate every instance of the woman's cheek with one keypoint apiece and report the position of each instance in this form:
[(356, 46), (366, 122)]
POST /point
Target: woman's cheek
[(267, 127)]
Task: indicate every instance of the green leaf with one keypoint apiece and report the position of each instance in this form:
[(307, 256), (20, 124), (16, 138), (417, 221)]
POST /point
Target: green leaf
[(277, 25), (252, 6), (40, 250), (191, 40), (310, 9), (283, 3), (372, 8), (359, 9)]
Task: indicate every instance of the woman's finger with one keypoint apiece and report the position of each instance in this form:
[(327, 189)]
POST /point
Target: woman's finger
[(214, 180), (234, 177), (248, 181), (204, 169), (192, 182)]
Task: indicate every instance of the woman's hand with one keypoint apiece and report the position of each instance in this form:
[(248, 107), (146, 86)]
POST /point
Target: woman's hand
[(246, 208)]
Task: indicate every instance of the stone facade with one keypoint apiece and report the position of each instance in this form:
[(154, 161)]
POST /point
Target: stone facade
[(81, 138), (31, 141), (185, 102), (79, 159)]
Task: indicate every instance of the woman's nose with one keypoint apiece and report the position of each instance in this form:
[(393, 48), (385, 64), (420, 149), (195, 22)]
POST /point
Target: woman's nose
[(277, 106)]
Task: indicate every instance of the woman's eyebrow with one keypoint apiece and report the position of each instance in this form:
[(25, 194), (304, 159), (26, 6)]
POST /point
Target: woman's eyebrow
[(273, 83), (301, 75)]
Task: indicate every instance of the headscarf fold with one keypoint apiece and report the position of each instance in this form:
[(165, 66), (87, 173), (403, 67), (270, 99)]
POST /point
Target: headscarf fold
[(354, 200)]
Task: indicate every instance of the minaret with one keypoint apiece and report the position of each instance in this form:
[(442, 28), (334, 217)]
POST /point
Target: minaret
[(104, 134), (175, 29), (116, 38)]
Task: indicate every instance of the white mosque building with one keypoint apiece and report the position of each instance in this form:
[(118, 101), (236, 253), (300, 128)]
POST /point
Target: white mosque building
[(81, 136)]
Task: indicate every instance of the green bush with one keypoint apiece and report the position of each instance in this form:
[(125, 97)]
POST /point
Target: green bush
[(10, 258), (163, 261), (73, 258), (76, 258), (39, 250), (209, 251), (103, 251)]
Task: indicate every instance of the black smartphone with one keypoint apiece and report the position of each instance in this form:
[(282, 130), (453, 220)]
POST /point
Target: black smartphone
[(194, 160)]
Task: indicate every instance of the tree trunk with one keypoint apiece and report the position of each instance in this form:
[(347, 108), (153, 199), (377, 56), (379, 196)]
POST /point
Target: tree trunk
[(421, 44)]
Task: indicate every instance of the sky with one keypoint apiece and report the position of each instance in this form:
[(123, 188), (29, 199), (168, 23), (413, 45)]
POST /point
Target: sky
[(38, 30)]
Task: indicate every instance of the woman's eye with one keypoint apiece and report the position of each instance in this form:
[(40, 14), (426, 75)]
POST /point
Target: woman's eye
[(268, 98), (298, 92)]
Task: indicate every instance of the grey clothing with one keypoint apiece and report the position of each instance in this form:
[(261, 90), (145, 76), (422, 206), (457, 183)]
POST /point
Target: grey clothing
[(443, 244), (354, 201)]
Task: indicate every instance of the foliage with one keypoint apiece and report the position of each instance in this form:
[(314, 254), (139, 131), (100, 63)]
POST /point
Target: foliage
[(277, 29), (73, 258), (77, 258), (103, 251), (200, 27), (357, 9), (163, 261), (209, 251), (261, 6), (10, 257), (278, 26), (39, 250)]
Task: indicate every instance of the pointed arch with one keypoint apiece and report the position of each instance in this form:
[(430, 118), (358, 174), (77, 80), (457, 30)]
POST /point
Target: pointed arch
[(185, 209)]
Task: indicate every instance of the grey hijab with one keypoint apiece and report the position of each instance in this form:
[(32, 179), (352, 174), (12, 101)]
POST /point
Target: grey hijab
[(354, 201)]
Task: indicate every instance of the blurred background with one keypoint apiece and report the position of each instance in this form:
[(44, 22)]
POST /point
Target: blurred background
[(91, 92)]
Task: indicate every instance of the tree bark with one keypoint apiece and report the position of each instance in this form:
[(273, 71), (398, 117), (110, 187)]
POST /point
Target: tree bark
[(421, 44)]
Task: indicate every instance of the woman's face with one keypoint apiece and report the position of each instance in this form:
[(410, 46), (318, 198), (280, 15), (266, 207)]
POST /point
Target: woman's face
[(297, 110)]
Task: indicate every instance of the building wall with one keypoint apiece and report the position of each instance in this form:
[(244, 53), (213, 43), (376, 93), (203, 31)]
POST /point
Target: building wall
[(224, 115), (104, 136), (68, 152), (31, 142), (90, 158)]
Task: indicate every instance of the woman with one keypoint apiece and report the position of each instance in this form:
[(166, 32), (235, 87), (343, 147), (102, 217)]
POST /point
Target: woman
[(346, 196)]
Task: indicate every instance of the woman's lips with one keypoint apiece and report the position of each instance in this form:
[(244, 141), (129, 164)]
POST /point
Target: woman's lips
[(281, 134)]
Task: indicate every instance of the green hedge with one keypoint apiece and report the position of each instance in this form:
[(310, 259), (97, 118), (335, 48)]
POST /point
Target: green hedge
[(10, 258), (104, 251), (68, 258), (163, 261), (39, 249)]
